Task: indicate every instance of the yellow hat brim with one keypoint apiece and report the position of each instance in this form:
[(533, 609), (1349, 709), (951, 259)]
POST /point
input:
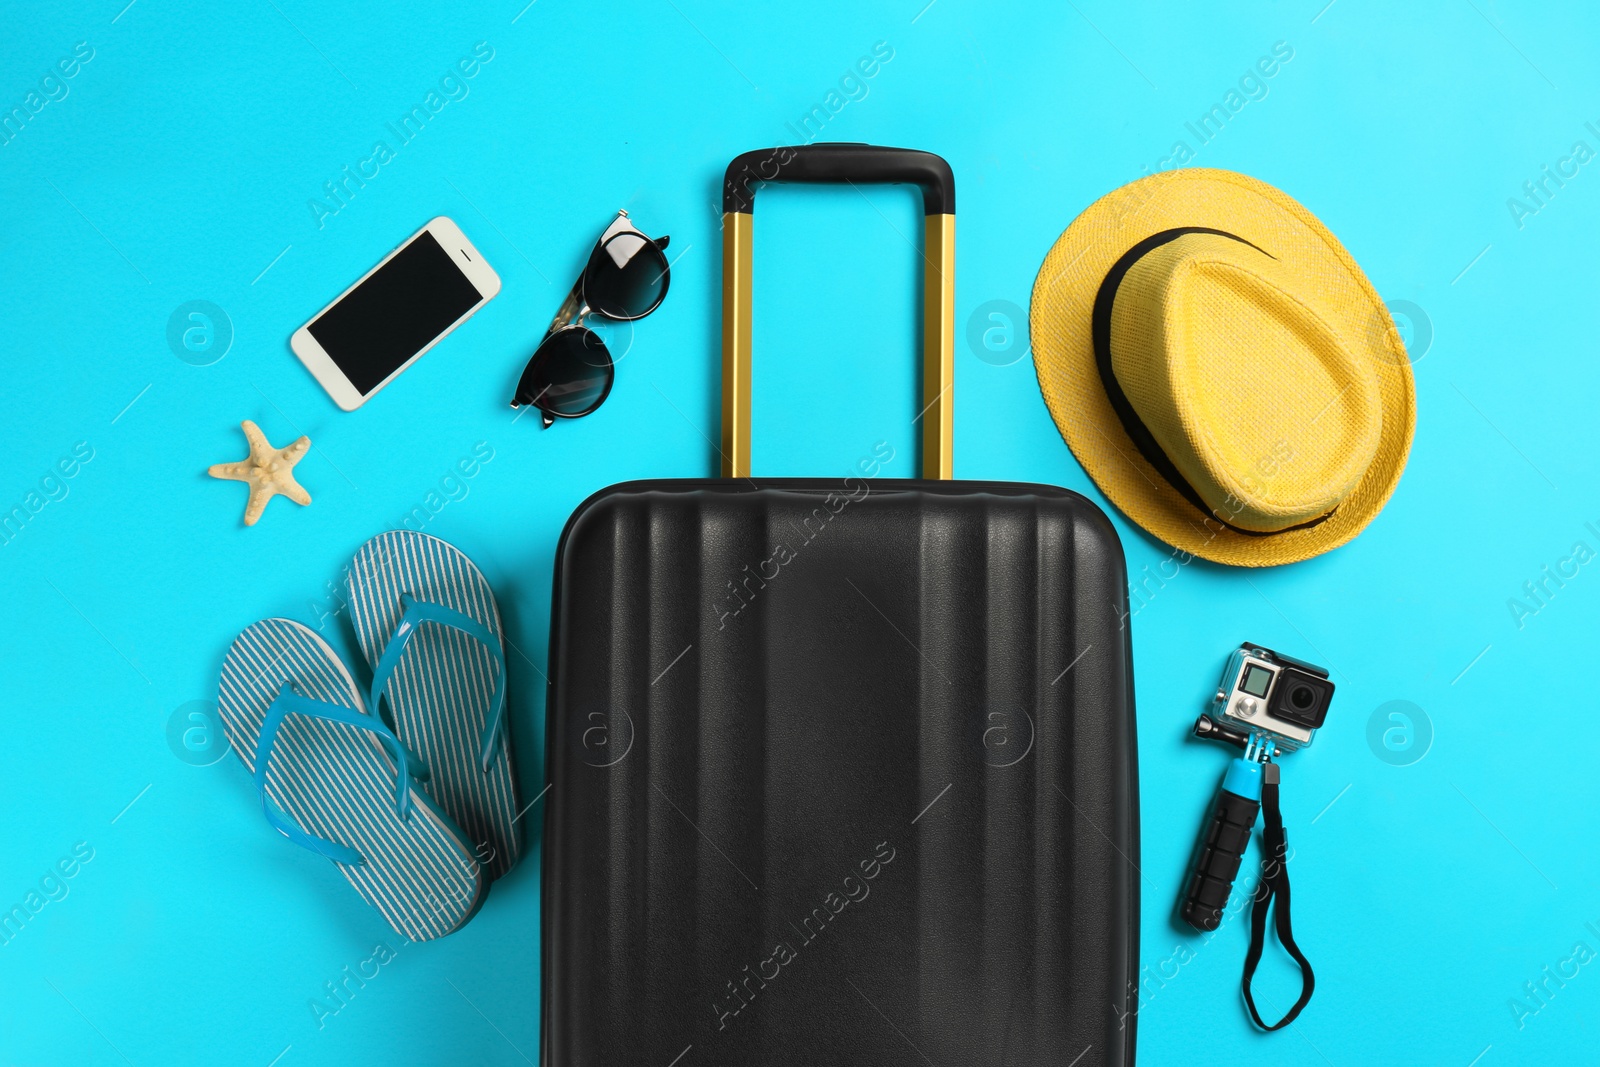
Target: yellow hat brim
[(1063, 353)]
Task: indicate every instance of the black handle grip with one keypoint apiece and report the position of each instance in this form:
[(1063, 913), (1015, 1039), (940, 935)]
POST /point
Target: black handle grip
[(839, 162), (1217, 860)]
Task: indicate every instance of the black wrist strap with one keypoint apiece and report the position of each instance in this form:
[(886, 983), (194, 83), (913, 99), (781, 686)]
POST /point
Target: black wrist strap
[(1274, 884)]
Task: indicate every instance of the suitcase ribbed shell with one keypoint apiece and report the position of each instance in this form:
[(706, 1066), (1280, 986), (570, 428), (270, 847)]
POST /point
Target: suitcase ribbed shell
[(840, 775)]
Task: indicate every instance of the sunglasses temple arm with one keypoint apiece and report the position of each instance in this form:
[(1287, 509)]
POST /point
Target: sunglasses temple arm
[(570, 308)]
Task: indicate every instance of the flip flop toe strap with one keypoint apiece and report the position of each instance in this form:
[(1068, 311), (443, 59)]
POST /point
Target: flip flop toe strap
[(287, 703), (414, 613)]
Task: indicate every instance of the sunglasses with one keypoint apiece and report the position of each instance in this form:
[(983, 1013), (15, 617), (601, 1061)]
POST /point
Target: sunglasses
[(571, 371)]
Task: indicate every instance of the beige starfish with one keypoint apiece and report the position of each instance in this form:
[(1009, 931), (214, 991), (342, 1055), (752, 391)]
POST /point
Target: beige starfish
[(268, 471)]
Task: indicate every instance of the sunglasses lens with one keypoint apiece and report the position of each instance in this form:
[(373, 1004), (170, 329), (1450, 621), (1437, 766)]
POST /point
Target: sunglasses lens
[(626, 277), (570, 373)]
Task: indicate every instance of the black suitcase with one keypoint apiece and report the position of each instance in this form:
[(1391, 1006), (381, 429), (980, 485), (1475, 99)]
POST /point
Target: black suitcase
[(841, 771)]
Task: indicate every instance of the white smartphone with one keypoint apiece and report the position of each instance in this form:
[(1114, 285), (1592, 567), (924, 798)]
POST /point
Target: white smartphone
[(401, 308)]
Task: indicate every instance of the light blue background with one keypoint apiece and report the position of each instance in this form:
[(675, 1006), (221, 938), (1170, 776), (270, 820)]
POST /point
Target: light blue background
[(179, 167)]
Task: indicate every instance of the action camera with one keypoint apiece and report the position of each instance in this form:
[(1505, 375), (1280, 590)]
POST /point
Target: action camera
[(1265, 692)]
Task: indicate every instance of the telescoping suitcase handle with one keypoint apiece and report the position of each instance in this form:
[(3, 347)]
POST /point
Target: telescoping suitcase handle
[(841, 163)]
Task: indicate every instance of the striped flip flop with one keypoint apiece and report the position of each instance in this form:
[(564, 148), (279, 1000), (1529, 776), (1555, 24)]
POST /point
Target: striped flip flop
[(427, 622), (335, 780)]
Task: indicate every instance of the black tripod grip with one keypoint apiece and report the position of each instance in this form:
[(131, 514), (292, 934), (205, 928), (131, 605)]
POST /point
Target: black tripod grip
[(1217, 859)]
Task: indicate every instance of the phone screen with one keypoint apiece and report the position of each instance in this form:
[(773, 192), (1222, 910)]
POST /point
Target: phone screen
[(395, 313)]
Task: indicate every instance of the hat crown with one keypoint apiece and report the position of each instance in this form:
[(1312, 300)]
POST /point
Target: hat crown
[(1243, 381)]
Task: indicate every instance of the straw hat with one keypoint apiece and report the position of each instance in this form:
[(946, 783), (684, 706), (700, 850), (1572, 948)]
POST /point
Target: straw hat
[(1222, 368)]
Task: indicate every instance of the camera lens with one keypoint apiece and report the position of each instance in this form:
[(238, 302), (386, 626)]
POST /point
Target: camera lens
[(1300, 697)]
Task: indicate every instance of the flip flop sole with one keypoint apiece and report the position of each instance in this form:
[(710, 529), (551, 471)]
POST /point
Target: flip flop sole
[(338, 783), (442, 689)]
